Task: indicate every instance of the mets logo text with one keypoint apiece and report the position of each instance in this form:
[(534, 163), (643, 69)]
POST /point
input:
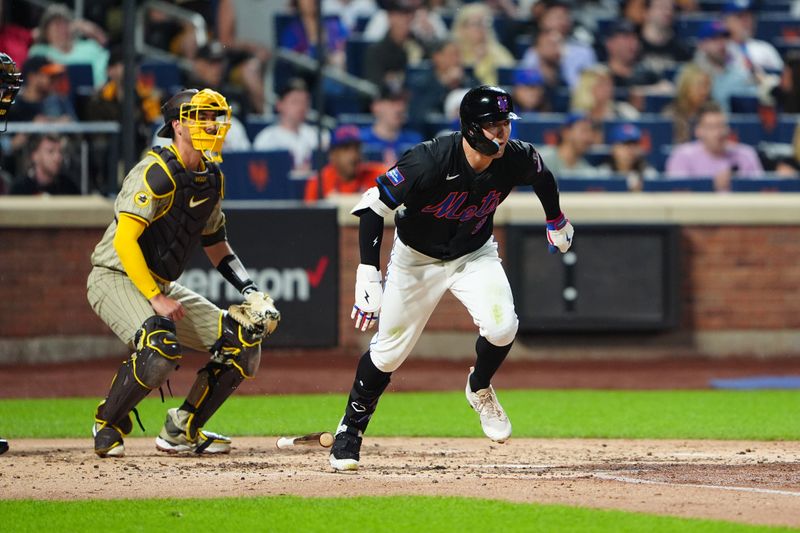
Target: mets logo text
[(502, 103)]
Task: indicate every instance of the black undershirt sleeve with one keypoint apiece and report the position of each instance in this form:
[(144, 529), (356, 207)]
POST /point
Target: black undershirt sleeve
[(546, 188), (370, 235), (234, 273)]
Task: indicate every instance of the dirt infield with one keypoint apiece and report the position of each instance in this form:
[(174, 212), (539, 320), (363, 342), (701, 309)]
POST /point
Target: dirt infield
[(740, 481), (749, 482)]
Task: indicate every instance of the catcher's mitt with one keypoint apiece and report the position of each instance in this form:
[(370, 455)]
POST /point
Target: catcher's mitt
[(256, 313)]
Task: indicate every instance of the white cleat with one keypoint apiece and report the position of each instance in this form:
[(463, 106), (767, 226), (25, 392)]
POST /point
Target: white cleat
[(494, 421), (173, 438)]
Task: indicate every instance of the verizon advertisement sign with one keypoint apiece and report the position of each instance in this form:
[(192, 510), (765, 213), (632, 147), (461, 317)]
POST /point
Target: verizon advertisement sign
[(291, 253)]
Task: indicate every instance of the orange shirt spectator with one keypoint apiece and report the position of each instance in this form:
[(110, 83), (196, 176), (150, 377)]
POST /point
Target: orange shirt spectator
[(345, 172)]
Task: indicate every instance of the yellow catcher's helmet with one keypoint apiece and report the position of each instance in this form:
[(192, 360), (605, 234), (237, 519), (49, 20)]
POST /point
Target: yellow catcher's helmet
[(205, 113)]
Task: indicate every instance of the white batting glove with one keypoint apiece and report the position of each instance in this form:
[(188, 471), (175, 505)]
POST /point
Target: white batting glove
[(369, 293), (559, 234)]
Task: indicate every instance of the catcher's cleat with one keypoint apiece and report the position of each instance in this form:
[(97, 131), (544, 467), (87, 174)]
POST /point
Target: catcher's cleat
[(346, 450), (174, 437), (494, 421), (107, 441), (3, 445)]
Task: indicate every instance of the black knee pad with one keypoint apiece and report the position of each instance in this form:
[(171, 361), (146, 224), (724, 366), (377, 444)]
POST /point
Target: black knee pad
[(238, 347), (157, 351)]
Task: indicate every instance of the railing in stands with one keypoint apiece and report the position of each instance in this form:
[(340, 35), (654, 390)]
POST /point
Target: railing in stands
[(81, 128)]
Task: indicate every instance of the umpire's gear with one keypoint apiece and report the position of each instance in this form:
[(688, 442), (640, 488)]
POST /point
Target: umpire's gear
[(10, 83), (482, 105)]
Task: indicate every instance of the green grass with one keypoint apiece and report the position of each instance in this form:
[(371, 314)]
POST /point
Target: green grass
[(751, 415), (412, 513)]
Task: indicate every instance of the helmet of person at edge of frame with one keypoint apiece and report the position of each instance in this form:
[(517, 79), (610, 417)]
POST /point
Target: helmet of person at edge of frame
[(10, 83), (482, 105), (191, 108)]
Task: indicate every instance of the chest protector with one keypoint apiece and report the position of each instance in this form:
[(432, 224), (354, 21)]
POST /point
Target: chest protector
[(168, 242)]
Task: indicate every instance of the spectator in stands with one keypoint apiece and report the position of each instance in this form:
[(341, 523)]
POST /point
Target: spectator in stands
[(788, 94), (349, 11), (15, 37), (623, 47), (576, 54), (208, 71), (575, 139), (387, 134), (57, 39), (345, 172), (300, 34), (39, 99), (529, 92), (713, 154), (634, 11), (45, 175), (385, 61), (627, 156), (759, 57), (545, 57), (662, 50), (430, 88), (728, 76), (106, 103), (594, 97), (291, 132), (475, 37), (247, 59), (426, 26), (693, 92)]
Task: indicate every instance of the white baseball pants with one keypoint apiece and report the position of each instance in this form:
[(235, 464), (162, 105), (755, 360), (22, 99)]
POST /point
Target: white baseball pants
[(416, 282)]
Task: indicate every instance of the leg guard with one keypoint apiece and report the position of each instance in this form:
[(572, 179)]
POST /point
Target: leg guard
[(369, 384), (236, 357), (157, 354)]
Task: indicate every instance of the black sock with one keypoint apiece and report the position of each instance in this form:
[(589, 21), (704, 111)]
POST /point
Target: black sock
[(368, 376), (369, 384), (489, 359)]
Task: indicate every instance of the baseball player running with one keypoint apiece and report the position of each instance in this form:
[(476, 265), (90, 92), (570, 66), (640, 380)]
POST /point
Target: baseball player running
[(449, 188), (169, 202), (10, 84)]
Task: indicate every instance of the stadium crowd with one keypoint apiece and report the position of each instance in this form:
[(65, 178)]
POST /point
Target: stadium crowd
[(637, 93)]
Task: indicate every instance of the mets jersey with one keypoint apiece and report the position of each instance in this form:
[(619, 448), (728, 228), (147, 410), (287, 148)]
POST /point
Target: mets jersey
[(448, 208)]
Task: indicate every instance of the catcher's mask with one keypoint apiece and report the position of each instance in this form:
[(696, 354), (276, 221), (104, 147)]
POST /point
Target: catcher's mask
[(205, 113), (10, 83), (482, 105)]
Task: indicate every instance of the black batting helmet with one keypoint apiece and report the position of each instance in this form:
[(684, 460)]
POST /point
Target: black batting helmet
[(10, 83), (481, 105), (171, 110)]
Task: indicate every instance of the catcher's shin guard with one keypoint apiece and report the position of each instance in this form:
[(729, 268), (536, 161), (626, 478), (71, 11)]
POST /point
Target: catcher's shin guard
[(368, 386), (236, 357), (157, 354)]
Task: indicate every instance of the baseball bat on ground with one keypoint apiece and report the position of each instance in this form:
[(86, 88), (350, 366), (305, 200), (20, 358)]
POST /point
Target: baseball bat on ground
[(323, 438)]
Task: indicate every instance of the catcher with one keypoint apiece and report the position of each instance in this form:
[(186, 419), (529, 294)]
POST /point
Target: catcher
[(168, 203)]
